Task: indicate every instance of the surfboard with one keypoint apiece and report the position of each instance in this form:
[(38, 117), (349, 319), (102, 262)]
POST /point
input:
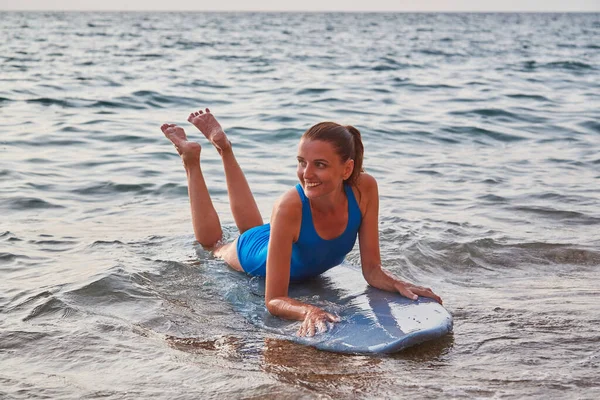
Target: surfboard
[(372, 321)]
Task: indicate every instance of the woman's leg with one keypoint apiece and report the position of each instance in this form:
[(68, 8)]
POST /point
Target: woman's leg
[(243, 206), (207, 227), (228, 252)]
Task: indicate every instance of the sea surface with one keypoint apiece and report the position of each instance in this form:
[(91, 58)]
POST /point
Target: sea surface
[(482, 130)]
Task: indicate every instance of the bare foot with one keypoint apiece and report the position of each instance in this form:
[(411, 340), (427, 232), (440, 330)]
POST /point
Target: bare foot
[(189, 151), (208, 125)]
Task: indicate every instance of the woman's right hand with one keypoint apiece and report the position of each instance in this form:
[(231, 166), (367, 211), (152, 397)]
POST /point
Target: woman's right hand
[(316, 321)]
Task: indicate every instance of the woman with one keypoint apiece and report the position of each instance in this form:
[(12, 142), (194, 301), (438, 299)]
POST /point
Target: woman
[(313, 226)]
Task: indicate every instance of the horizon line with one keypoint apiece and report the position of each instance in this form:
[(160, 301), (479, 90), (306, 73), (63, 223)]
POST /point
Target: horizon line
[(319, 11)]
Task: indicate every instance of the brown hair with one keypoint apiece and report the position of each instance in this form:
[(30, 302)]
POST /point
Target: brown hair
[(345, 139)]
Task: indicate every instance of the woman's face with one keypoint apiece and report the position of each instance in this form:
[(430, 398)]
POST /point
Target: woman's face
[(320, 169)]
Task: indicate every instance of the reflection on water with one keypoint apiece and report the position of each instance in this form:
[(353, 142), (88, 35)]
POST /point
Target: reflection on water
[(327, 373)]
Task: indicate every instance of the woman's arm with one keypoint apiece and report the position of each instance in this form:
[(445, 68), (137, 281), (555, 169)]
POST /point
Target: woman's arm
[(370, 257), (285, 227)]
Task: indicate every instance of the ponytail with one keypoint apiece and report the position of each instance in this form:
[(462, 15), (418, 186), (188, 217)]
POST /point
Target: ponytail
[(359, 151)]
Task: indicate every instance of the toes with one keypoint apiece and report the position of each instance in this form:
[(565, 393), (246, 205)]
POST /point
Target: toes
[(166, 127), (207, 111), (190, 117), (200, 112)]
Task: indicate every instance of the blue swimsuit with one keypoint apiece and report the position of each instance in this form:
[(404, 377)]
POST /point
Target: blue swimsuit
[(311, 255)]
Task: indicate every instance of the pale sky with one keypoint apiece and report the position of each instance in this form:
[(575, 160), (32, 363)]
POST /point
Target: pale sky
[(305, 5)]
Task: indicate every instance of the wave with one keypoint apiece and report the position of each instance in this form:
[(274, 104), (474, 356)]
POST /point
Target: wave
[(111, 188), (478, 133), (190, 44), (559, 215), (406, 83), (312, 91), (7, 257), (115, 286), (486, 112), (47, 101), (591, 125), (51, 308), (528, 97), (54, 245), (138, 100), (15, 340), (28, 203), (434, 52), (490, 256), (525, 114), (492, 198), (146, 189), (125, 104), (569, 65)]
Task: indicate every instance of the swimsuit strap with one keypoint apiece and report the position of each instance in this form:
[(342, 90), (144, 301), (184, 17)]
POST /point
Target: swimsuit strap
[(301, 193), (354, 214), (306, 225)]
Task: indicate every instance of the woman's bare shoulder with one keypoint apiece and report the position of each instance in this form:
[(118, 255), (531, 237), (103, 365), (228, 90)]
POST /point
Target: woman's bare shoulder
[(366, 182), (289, 205), (365, 191), (286, 217)]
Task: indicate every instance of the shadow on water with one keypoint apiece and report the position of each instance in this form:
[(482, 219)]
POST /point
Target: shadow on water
[(327, 373), (428, 352)]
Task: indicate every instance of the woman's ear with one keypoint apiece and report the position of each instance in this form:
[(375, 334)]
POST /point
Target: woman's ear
[(348, 168)]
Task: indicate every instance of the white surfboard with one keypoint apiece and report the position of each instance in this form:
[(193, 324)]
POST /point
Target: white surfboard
[(373, 321)]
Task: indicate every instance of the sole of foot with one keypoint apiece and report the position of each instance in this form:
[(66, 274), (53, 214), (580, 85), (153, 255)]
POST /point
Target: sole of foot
[(211, 129), (189, 151)]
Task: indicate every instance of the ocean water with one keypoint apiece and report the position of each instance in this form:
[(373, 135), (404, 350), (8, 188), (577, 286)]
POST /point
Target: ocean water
[(482, 130)]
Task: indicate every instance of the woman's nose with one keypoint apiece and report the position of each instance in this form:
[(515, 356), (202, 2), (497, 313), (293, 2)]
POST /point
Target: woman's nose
[(308, 171)]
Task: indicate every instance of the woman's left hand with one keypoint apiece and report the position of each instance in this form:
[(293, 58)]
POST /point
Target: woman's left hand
[(413, 292), (316, 321)]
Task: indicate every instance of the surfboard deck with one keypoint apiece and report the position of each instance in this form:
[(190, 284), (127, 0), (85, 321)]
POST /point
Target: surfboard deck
[(372, 321)]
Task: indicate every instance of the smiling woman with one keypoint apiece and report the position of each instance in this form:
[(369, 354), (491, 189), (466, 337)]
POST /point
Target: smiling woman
[(313, 225)]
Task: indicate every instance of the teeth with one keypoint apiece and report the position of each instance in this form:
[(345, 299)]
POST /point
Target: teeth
[(312, 184)]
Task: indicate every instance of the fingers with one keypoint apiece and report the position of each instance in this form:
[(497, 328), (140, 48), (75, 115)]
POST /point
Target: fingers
[(427, 292), (307, 328), (302, 329), (314, 324), (333, 318), (406, 292), (413, 292), (321, 326), (311, 329)]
